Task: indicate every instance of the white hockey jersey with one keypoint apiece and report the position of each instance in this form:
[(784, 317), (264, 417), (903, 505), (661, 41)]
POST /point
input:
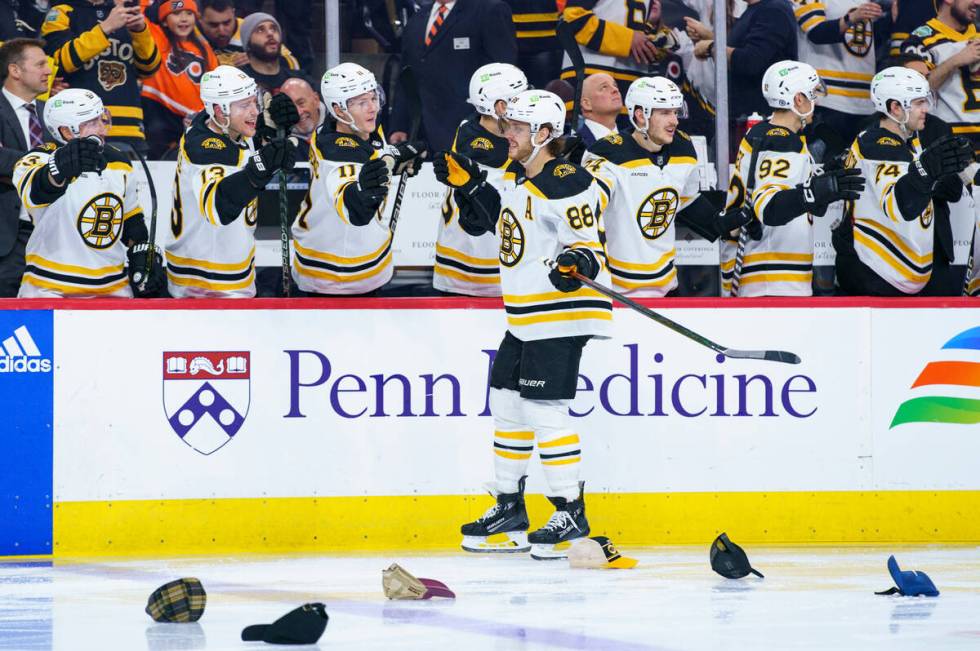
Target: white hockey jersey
[(331, 255), (898, 251), (846, 68), (781, 263), (466, 264), (560, 207), (78, 248), (958, 99), (647, 191), (205, 258)]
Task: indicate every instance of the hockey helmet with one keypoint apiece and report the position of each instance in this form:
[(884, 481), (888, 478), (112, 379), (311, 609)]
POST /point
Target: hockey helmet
[(649, 93), (225, 85), (538, 108), (494, 82), (71, 108), (784, 80), (903, 85), (340, 83)]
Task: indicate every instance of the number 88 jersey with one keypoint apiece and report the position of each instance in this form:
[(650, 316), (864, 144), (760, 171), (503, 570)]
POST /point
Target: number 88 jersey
[(560, 208), (958, 99)]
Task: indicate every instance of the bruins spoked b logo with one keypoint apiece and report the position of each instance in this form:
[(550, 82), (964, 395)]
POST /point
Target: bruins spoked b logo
[(858, 38), (657, 212), (511, 239), (100, 221)]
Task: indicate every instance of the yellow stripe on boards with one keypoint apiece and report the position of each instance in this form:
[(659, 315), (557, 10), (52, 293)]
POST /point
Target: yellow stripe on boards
[(421, 522)]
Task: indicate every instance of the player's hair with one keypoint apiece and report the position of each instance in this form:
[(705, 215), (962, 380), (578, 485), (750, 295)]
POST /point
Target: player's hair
[(217, 5), (12, 53)]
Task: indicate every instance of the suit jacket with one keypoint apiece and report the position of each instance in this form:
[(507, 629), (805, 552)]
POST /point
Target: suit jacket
[(12, 147), (476, 32)]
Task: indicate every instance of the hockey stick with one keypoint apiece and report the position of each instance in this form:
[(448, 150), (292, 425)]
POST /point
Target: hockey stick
[(283, 221), (767, 355), (568, 43), (151, 241), (415, 107), (743, 232)]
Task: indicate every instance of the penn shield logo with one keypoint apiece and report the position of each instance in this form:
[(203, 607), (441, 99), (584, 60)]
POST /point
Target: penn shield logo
[(947, 390), (20, 354), (206, 396)]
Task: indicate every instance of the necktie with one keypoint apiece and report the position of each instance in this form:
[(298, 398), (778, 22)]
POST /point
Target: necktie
[(440, 18), (34, 126)]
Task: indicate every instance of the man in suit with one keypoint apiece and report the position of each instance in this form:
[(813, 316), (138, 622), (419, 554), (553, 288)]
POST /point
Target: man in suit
[(445, 42), (24, 71), (601, 104)]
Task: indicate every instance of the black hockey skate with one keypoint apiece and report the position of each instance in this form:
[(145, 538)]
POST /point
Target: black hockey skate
[(507, 517), (567, 523)]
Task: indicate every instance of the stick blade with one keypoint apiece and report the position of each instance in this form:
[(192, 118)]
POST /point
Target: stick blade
[(764, 355)]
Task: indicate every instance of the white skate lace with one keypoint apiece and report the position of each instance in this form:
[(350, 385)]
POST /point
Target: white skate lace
[(560, 520), (491, 512)]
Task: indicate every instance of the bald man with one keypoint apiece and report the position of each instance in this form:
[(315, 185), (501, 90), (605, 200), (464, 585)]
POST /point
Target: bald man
[(601, 104), (309, 107)]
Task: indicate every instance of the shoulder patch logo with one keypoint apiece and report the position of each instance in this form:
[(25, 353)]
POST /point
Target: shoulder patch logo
[(777, 131), (213, 143), (482, 143), (563, 170), (48, 146), (922, 31), (889, 141), (346, 141), (614, 139)]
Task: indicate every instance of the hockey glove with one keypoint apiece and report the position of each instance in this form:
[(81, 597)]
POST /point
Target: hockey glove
[(363, 197), (572, 260), (408, 157), (736, 218), (278, 154), (137, 255), (279, 112), (948, 155), (834, 185), (459, 172), (72, 160)]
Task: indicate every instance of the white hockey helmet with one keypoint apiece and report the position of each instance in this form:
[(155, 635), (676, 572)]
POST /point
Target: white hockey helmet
[(494, 82), (538, 108), (225, 85), (340, 83), (784, 80), (71, 108), (903, 85), (649, 93)]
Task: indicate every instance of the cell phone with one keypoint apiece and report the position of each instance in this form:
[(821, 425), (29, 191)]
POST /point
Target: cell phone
[(886, 5)]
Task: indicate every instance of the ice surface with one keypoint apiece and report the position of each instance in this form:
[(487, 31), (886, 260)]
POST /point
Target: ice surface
[(811, 598)]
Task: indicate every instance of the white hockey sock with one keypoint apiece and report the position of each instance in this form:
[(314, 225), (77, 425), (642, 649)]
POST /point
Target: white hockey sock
[(558, 445), (513, 439)]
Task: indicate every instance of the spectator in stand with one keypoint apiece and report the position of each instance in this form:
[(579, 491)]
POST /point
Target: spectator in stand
[(909, 14), (296, 19), (838, 40), (105, 47), (262, 37), (311, 112), (24, 72), (445, 44), (172, 96), (601, 105), (222, 30), (764, 34), (538, 50)]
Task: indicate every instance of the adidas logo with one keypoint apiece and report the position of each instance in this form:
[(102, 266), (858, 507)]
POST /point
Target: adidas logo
[(20, 354)]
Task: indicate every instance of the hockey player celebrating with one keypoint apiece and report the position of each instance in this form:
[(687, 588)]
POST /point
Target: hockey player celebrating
[(466, 264), (885, 243), (84, 205), (220, 172), (555, 213), (342, 246), (652, 172), (774, 176)]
